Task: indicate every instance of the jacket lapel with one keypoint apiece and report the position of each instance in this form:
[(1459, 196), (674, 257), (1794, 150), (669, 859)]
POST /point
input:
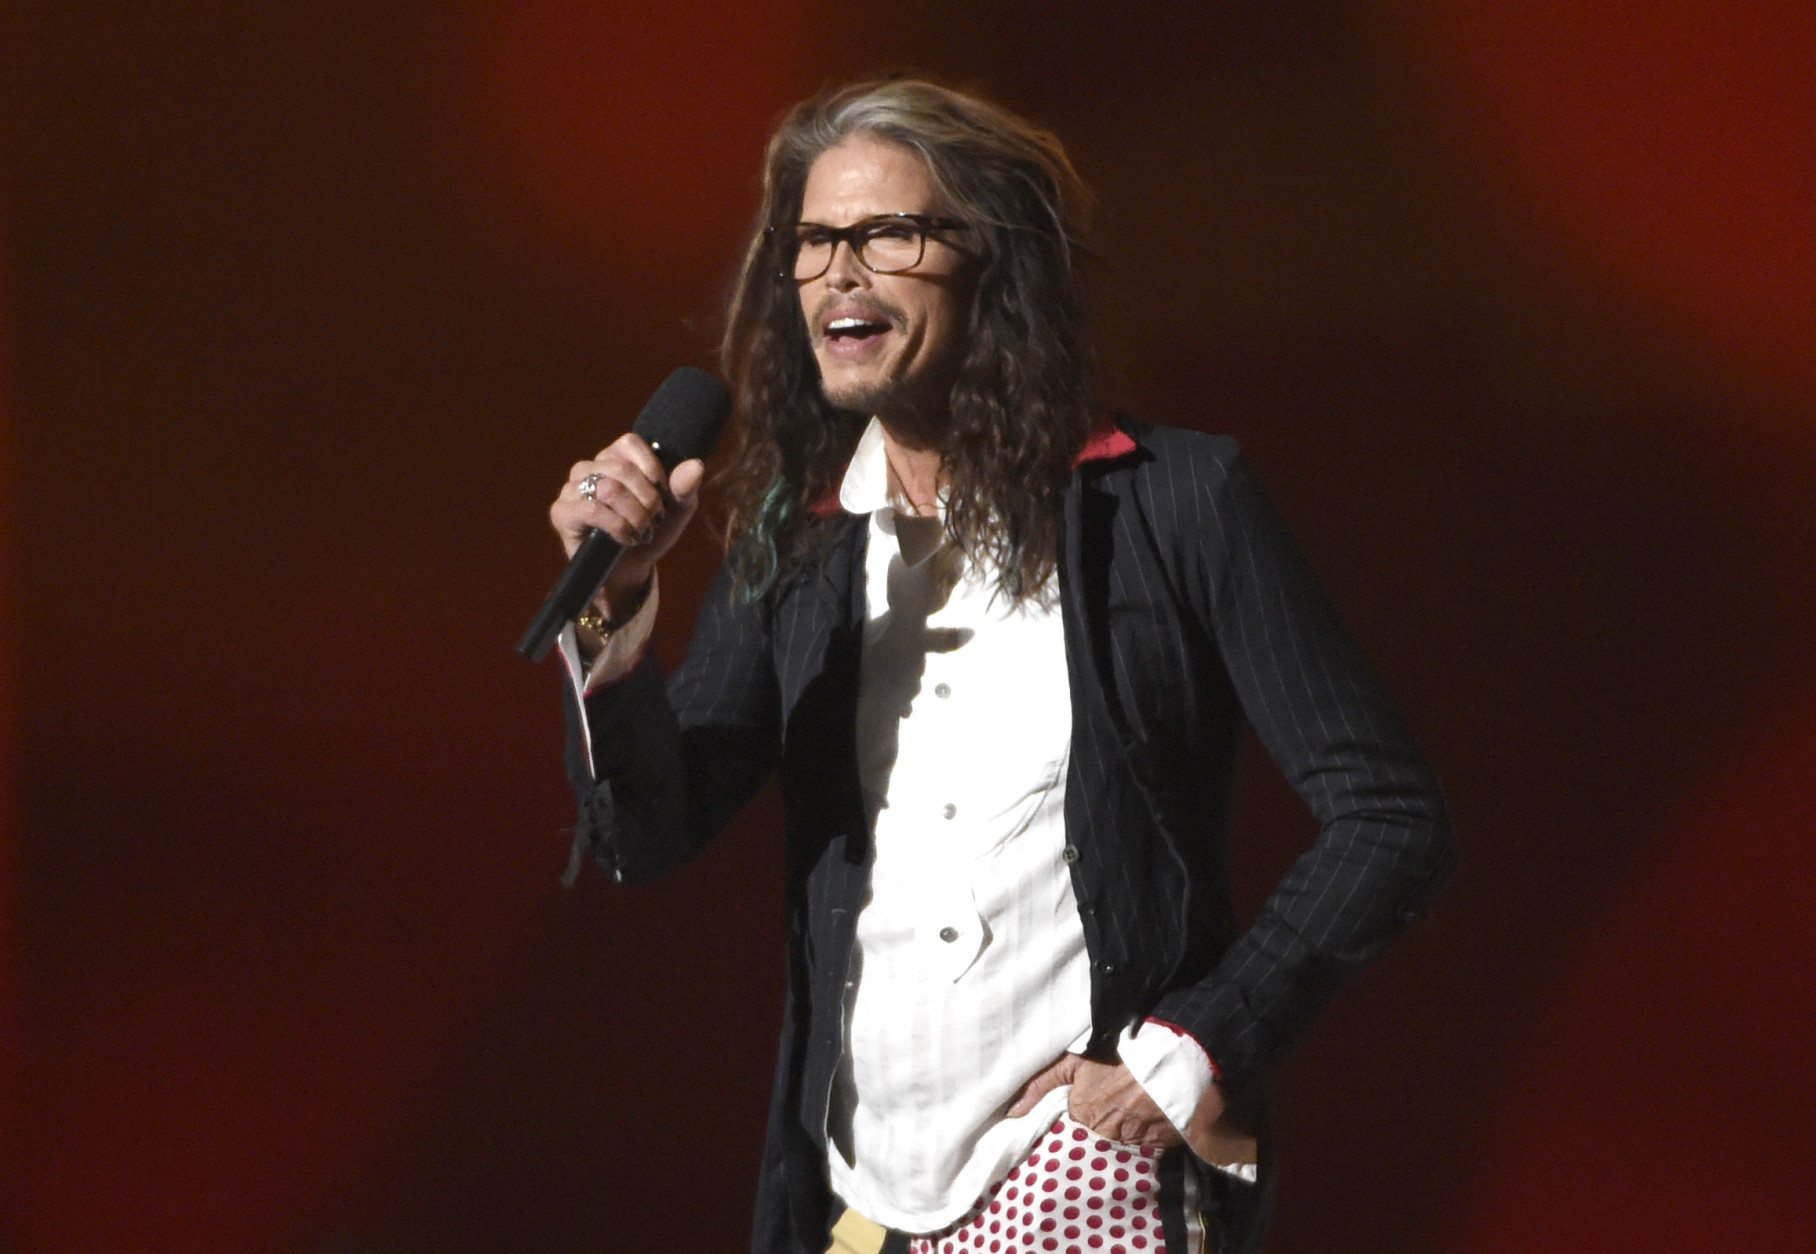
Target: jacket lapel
[(815, 619)]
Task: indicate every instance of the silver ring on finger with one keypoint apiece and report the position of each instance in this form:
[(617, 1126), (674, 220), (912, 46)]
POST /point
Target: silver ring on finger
[(589, 488)]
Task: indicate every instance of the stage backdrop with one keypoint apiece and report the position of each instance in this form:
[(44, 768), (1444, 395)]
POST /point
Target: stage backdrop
[(308, 308)]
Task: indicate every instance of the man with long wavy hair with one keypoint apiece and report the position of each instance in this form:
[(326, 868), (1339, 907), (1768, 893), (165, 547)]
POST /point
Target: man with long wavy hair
[(1000, 649)]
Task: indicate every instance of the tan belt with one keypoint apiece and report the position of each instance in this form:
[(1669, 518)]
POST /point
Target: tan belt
[(854, 1234)]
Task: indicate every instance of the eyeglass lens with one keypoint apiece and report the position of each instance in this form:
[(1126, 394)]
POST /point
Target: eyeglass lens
[(887, 246)]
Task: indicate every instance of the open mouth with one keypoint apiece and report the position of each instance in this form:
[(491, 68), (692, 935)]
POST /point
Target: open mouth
[(854, 330)]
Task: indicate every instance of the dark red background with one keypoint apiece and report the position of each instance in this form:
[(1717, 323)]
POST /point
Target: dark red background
[(307, 308)]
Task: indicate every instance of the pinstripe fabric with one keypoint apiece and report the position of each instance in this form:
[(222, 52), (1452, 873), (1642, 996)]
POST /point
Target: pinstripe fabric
[(1187, 610)]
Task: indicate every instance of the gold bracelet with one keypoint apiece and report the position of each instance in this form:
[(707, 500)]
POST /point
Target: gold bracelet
[(592, 620), (599, 624)]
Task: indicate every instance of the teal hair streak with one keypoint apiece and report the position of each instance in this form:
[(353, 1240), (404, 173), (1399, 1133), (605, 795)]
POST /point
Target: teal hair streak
[(763, 558)]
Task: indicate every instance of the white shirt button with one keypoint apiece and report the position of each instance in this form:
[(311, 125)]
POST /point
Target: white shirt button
[(942, 691), (951, 811), (948, 934)]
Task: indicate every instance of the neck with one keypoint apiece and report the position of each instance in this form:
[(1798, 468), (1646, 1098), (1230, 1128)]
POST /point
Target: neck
[(915, 472)]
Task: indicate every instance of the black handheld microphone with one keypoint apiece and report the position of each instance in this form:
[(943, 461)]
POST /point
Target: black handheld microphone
[(680, 422)]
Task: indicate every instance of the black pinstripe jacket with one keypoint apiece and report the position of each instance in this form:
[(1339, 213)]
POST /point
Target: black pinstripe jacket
[(1188, 610)]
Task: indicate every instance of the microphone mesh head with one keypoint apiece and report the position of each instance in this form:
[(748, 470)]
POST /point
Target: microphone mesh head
[(684, 416)]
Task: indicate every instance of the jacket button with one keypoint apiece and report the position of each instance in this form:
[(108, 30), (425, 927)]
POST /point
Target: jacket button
[(1070, 855)]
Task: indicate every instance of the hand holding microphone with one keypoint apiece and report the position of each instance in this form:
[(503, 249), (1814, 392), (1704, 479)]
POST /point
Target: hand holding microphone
[(622, 510), (626, 493)]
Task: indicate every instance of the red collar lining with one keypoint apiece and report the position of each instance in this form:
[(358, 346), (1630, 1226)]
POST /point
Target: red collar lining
[(1107, 441)]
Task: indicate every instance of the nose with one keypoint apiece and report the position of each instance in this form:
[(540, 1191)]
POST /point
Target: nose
[(846, 271)]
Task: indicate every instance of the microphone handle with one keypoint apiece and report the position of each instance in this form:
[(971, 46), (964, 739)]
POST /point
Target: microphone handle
[(585, 574)]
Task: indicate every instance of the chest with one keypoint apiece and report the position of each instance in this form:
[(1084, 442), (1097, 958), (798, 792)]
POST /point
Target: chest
[(1127, 634), (961, 690)]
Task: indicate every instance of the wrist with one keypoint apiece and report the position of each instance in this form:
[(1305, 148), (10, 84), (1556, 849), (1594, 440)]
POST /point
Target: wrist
[(605, 648), (605, 616), (613, 607)]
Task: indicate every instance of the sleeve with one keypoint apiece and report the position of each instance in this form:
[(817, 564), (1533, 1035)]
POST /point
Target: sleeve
[(658, 769), (1383, 848)]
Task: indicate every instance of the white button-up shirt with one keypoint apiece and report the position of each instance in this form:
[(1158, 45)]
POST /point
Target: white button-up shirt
[(970, 973)]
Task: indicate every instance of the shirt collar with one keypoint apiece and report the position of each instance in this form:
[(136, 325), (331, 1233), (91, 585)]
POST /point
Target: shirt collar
[(865, 487)]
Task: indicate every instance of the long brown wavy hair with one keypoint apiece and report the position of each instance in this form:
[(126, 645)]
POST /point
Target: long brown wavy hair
[(1021, 401)]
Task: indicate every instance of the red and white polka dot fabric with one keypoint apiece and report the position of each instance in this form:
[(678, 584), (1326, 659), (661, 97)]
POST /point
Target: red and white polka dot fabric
[(1075, 1193)]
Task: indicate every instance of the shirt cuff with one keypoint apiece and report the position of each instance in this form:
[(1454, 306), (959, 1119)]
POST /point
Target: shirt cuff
[(1171, 1068), (1175, 1072), (623, 648), (622, 651)]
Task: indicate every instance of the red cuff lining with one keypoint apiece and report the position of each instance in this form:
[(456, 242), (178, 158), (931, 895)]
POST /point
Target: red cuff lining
[(1216, 1071)]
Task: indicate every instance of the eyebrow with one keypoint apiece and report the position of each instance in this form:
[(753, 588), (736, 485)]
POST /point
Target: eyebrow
[(926, 221)]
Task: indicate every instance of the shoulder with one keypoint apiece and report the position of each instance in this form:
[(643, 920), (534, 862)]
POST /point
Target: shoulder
[(1187, 487), (1175, 456)]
